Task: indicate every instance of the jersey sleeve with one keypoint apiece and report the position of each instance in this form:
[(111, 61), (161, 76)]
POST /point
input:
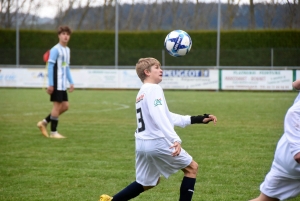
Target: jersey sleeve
[(180, 120), (51, 61), (69, 76), (53, 55), (50, 74), (69, 58), (159, 112)]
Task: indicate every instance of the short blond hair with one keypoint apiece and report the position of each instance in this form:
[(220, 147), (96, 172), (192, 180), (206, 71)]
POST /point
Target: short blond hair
[(145, 64)]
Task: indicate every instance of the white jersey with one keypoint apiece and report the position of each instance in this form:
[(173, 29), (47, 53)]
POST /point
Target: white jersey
[(289, 144), (60, 57), (154, 120)]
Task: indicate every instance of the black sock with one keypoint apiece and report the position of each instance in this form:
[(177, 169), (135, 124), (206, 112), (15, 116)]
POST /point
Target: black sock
[(131, 191), (54, 122), (187, 189), (48, 118)]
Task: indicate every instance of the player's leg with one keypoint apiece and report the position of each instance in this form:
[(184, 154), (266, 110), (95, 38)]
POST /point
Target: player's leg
[(149, 187), (263, 197), (131, 191), (54, 119), (60, 104), (162, 158), (188, 181), (42, 125), (64, 107), (147, 175), (276, 187)]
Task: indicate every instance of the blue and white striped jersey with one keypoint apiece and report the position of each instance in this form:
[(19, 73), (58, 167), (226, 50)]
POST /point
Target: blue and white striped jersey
[(59, 67)]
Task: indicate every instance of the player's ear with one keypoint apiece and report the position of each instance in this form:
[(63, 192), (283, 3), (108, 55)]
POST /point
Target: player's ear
[(147, 72)]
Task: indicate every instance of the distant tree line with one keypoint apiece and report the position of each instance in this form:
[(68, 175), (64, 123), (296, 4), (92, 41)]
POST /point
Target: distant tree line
[(153, 15)]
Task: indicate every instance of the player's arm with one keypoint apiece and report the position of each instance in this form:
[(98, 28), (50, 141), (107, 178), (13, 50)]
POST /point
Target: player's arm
[(69, 77), (203, 119), (180, 120), (296, 84), (184, 120), (297, 157)]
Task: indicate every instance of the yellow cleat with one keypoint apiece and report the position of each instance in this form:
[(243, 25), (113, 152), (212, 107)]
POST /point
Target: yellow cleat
[(42, 126), (105, 198)]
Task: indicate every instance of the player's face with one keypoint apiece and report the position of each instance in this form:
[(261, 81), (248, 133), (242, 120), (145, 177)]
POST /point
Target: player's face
[(64, 38), (156, 74)]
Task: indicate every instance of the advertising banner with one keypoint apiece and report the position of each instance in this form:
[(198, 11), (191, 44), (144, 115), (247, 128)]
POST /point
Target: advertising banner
[(297, 74), (204, 79), (22, 77), (95, 78), (257, 79), (128, 79), (190, 79)]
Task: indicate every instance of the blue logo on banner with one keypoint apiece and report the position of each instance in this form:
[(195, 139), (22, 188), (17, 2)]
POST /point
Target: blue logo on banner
[(8, 77)]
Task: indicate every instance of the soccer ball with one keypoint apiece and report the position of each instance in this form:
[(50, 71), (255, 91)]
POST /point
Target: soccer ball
[(178, 43)]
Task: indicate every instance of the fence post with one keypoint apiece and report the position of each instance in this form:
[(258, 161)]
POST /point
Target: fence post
[(272, 58), (163, 57), (220, 79)]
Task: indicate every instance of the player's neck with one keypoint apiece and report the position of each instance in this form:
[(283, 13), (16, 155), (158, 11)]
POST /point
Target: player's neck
[(63, 44), (149, 81)]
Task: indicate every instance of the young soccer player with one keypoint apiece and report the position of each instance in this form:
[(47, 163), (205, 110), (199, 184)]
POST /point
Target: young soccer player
[(158, 147), (283, 180), (58, 75)]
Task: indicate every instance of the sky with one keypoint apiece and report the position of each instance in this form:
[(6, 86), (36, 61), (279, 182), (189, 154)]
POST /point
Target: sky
[(50, 8)]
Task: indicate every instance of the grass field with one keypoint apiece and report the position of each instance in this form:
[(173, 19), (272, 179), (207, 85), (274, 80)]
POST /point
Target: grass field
[(98, 155)]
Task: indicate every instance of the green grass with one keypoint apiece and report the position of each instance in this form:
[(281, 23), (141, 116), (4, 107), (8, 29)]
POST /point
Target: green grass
[(98, 155)]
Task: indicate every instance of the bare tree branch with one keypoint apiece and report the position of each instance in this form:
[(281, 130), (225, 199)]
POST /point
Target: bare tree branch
[(85, 11), (252, 15)]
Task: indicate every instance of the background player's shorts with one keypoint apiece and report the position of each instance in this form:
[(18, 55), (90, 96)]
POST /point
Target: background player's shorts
[(59, 96), (277, 186), (154, 158)]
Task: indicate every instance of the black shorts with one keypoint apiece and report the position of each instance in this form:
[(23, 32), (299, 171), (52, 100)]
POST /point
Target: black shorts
[(59, 96)]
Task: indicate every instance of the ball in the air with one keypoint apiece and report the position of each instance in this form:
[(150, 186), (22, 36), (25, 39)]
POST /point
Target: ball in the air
[(178, 43)]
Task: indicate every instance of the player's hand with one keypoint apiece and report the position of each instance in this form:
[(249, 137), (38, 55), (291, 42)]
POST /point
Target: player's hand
[(177, 147), (71, 88), (212, 118), (297, 157), (50, 90)]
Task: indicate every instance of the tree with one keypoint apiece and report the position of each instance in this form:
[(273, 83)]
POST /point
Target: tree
[(231, 13), (252, 15)]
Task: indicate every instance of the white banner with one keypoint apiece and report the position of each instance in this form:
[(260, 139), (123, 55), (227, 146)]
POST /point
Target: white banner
[(297, 74), (257, 79), (129, 79), (95, 78), (22, 77), (190, 79), (172, 79)]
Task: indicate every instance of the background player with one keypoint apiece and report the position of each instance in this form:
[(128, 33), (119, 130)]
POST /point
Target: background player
[(58, 74), (283, 180), (158, 147)]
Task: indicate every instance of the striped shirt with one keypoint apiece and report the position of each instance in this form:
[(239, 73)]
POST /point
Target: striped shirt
[(59, 67)]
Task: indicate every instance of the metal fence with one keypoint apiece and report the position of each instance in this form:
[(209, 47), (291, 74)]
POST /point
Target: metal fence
[(197, 57)]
